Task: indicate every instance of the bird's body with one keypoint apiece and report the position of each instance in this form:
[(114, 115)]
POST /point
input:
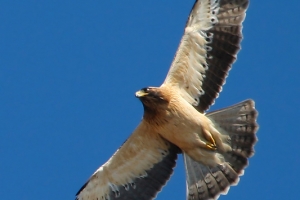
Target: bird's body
[(180, 123), (215, 146)]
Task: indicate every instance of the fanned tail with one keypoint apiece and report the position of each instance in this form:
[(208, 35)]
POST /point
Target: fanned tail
[(238, 127)]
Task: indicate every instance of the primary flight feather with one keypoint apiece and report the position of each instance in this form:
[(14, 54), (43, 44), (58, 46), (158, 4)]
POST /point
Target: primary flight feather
[(215, 146)]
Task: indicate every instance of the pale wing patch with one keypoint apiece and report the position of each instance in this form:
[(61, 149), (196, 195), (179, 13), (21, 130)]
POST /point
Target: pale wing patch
[(137, 170), (187, 71), (207, 50)]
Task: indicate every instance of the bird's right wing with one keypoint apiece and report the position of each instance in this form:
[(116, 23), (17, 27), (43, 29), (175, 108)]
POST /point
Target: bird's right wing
[(207, 50), (138, 170)]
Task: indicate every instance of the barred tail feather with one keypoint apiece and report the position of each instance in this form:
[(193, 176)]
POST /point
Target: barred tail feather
[(205, 182), (238, 125)]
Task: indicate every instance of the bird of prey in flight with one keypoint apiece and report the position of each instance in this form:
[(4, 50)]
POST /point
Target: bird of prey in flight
[(215, 145)]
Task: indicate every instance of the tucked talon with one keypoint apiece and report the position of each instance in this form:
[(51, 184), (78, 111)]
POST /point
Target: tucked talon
[(211, 146), (211, 143)]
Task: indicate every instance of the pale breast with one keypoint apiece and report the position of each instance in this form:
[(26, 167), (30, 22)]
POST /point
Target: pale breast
[(185, 125)]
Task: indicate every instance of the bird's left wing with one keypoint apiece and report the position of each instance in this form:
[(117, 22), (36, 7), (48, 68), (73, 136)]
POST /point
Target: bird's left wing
[(137, 170), (207, 50)]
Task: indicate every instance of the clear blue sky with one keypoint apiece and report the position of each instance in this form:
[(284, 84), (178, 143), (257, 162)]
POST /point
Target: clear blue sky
[(69, 70)]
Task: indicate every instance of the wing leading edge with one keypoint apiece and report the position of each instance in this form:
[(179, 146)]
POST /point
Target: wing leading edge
[(138, 170), (207, 50)]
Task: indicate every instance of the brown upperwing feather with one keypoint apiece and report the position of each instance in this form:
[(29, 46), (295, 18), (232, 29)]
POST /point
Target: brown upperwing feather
[(207, 50), (138, 170)]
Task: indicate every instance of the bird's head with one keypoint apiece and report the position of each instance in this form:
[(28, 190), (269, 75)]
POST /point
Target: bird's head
[(152, 98)]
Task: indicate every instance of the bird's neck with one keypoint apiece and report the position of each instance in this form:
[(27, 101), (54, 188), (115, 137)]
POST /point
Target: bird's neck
[(154, 116)]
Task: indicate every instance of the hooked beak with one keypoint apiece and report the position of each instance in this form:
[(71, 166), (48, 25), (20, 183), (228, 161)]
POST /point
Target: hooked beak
[(140, 94)]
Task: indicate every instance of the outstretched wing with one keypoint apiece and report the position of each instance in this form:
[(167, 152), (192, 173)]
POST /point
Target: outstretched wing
[(138, 170), (207, 50)]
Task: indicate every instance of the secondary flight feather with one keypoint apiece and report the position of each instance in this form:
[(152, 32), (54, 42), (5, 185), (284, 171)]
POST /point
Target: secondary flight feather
[(215, 146)]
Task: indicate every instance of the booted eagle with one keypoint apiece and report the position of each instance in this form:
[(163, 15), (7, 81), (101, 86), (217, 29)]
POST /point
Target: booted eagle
[(215, 146)]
